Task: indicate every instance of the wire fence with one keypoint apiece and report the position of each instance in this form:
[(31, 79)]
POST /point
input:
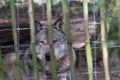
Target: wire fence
[(99, 74)]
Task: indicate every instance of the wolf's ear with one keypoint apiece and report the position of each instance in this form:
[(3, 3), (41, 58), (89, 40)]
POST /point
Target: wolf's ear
[(58, 24), (38, 25)]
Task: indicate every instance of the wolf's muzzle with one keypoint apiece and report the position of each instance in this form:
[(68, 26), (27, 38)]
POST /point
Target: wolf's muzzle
[(47, 56), (48, 73)]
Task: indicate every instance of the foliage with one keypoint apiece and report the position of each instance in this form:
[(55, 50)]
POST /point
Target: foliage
[(113, 21), (3, 10)]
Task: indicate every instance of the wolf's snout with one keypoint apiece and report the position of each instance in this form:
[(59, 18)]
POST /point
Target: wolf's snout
[(48, 73), (47, 56)]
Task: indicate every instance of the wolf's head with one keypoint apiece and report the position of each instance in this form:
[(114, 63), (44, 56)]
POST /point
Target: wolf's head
[(59, 41)]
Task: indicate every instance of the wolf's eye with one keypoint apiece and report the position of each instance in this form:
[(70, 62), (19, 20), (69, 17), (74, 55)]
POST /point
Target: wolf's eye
[(42, 42), (55, 40)]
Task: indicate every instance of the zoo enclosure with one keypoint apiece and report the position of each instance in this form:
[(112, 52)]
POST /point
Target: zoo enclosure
[(103, 40)]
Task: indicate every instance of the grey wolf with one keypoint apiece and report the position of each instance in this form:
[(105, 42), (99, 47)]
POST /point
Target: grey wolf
[(60, 49), (43, 54), (10, 68)]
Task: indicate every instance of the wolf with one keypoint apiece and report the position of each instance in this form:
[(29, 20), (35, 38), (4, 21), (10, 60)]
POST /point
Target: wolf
[(60, 45), (8, 67), (42, 46), (11, 70)]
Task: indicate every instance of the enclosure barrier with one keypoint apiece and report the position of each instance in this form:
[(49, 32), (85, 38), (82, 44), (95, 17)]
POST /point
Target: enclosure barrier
[(68, 35), (49, 21), (1, 73), (87, 45), (66, 24), (32, 33), (13, 18), (103, 44)]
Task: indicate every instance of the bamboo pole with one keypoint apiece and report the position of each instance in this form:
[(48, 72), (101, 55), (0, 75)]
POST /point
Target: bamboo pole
[(68, 35), (49, 21), (88, 46), (118, 6), (12, 10), (32, 33), (1, 67), (104, 45)]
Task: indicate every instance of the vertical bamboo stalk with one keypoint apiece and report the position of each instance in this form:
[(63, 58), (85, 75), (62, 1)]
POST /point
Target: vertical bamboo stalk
[(118, 7), (68, 35), (12, 10), (88, 46), (1, 67), (32, 33), (104, 45), (49, 21), (118, 14)]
